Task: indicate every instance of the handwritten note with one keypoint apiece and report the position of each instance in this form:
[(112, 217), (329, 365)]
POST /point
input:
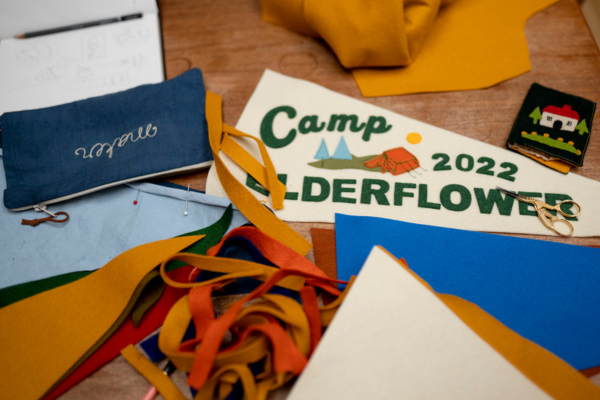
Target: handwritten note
[(65, 67)]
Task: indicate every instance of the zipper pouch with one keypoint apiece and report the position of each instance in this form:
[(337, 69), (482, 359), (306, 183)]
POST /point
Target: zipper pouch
[(57, 153)]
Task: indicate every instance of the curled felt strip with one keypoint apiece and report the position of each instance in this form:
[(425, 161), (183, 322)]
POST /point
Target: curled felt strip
[(272, 329), (239, 195), (37, 221), (232, 269), (209, 348), (274, 251), (159, 380)]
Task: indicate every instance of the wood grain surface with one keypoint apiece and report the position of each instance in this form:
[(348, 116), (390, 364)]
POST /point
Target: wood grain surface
[(232, 46)]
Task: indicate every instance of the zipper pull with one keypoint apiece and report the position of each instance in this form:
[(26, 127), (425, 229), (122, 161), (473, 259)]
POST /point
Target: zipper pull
[(51, 218), (44, 208)]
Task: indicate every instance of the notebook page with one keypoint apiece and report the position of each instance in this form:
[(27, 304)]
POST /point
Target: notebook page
[(24, 16), (70, 66)]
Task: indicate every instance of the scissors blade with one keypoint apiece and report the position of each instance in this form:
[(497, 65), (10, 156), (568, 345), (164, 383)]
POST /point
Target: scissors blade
[(508, 192)]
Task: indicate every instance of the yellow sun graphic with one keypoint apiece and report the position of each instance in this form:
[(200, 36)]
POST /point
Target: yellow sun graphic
[(413, 138)]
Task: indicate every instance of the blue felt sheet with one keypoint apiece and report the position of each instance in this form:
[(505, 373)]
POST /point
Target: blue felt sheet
[(547, 292), (103, 225)]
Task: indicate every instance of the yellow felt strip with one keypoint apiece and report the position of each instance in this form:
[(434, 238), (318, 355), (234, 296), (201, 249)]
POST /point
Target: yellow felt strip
[(558, 165), (277, 188), (158, 378), (245, 375), (550, 373), (262, 218), (44, 335), (232, 267), (253, 167), (277, 194)]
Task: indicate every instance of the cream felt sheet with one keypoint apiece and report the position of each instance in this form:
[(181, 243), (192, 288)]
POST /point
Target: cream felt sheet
[(339, 154), (405, 344)]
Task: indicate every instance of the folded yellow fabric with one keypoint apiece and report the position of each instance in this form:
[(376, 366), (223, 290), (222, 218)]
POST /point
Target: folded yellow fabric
[(362, 33), (468, 44), (44, 335)]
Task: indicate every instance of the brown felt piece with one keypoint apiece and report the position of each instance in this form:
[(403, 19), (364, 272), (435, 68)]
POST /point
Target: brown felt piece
[(324, 247)]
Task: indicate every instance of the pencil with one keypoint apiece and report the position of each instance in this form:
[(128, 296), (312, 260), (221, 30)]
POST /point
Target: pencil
[(78, 26)]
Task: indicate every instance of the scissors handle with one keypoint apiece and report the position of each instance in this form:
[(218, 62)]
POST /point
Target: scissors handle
[(558, 209), (550, 220)]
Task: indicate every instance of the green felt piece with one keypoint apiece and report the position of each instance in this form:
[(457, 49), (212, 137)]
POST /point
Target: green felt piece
[(355, 163), (213, 233), (12, 294), (554, 123), (150, 296), (557, 144)]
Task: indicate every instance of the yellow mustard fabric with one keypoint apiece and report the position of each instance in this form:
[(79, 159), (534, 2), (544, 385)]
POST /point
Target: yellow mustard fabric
[(362, 33), (464, 45), (547, 371), (44, 335)]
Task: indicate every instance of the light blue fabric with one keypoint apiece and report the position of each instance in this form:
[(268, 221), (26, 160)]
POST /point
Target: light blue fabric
[(102, 226)]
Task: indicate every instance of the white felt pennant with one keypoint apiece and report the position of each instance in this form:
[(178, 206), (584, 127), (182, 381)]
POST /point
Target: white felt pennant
[(405, 344), (339, 154)]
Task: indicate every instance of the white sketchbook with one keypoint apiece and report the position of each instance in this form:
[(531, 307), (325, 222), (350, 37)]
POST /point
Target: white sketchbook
[(64, 67)]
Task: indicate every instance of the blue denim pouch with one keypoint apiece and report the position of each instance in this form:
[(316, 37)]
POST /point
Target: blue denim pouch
[(56, 153)]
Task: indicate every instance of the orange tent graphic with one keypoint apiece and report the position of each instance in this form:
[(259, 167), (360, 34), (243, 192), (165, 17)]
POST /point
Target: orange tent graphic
[(397, 161)]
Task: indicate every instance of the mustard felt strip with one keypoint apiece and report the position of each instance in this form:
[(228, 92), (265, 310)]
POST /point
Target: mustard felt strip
[(253, 167), (239, 195), (44, 335), (158, 378), (550, 373), (232, 267)]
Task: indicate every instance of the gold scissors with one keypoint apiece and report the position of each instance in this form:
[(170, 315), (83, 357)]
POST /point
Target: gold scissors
[(541, 208)]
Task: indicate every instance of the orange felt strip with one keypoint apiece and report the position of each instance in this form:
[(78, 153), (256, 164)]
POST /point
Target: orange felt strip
[(310, 304), (271, 249), (239, 195), (286, 356), (209, 348), (201, 308)]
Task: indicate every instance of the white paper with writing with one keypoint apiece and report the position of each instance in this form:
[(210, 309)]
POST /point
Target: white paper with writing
[(65, 67)]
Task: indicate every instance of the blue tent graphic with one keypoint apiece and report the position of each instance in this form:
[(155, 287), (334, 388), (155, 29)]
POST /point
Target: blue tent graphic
[(342, 152), (322, 153)]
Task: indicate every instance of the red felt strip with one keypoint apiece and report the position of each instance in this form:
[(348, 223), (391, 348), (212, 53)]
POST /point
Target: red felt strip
[(310, 304)]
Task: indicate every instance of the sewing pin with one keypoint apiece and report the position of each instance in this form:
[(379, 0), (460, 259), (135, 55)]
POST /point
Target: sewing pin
[(186, 201), (136, 197)]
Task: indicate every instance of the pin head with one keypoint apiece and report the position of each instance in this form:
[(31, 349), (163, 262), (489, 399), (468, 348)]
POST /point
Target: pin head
[(185, 213), (134, 202)]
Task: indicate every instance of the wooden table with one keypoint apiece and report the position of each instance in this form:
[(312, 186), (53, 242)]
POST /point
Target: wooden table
[(232, 46)]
